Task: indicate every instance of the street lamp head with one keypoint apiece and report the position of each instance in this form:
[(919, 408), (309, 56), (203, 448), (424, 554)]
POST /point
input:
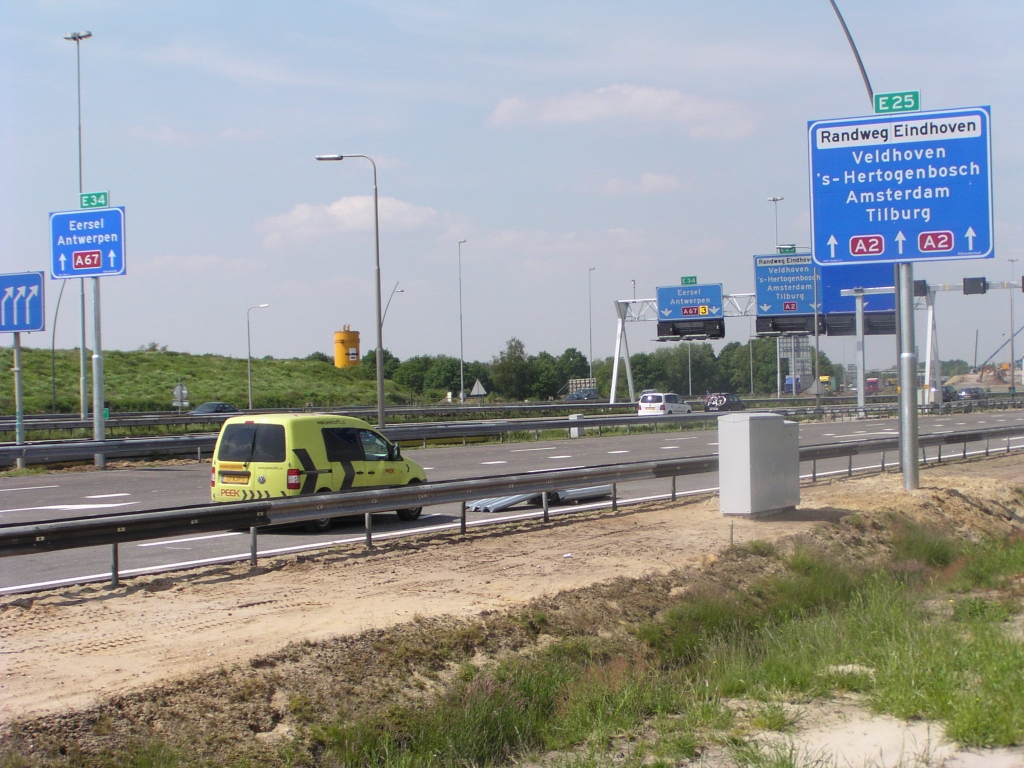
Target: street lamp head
[(76, 36), (774, 199), (330, 157), (263, 305), (461, 242)]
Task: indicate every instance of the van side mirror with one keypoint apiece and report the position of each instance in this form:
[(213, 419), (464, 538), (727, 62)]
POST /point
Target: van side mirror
[(396, 452)]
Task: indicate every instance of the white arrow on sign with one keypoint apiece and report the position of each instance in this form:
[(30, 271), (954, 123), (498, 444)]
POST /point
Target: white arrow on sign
[(900, 239), (111, 256), (33, 291), (832, 243), (666, 312), (970, 234), (714, 310), (63, 262), (765, 307), (3, 304), (19, 295)]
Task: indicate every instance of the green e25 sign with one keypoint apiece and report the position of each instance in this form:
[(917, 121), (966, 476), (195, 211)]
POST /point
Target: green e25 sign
[(903, 101)]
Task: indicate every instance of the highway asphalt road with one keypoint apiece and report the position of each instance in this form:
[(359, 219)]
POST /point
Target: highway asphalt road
[(37, 498)]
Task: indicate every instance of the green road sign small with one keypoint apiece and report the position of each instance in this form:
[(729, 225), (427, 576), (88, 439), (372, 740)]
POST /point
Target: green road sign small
[(785, 249), (902, 101), (689, 280), (94, 200)]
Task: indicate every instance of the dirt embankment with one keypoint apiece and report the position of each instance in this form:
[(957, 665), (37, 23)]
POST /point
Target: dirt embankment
[(67, 650)]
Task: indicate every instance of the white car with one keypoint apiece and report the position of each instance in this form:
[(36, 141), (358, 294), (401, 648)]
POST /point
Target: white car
[(661, 404)]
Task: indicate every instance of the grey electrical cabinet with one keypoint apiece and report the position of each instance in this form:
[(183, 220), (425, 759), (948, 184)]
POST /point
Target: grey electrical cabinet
[(758, 464)]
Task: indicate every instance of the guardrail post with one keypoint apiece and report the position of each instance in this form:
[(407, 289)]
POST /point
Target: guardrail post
[(369, 530), (462, 518), (965, 450), (199, 455), (986, 448), (849, 467), (1007, 444), (252, 546), (544, 502), (939, 460), (615, 497), (114, 566), (814, 470), (673, 487)]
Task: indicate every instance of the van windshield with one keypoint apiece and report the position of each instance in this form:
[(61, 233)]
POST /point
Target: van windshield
[(252, 442)]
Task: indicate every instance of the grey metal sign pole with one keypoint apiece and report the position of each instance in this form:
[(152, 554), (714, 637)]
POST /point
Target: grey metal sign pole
[(19, 401), (908, 379), (861, 394), (98, 426)]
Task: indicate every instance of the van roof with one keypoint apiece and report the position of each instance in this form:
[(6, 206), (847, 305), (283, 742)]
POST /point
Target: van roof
[(324, 419)]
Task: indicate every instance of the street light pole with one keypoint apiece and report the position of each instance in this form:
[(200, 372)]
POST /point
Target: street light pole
[(394, 290), (462, 354), (83, 381), (380, 317), (1013, 358), (775, 199), (248, 346), (590, 312)]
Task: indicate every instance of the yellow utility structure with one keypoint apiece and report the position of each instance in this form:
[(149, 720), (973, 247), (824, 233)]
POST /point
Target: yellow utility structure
[(346, 348)]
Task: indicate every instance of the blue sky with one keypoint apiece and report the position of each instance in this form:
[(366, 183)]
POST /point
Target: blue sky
[(552, 137)]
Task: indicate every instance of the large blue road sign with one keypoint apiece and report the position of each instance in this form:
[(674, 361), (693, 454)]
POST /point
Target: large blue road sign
[(909, 187), (690, 302), (842, 277), (784, 284), (87, 243), (21, 302)]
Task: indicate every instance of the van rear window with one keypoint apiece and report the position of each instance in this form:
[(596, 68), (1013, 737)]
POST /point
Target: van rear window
[(252, 442)]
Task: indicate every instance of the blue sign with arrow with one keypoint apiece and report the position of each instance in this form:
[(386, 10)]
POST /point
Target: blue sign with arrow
[(690, 302), (87, 243), (898, 188), (21, 303), (784, 284), (842, 277)]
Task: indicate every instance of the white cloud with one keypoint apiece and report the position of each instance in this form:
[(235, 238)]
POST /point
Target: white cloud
[(349, 214), (648, 183), (703, 117)]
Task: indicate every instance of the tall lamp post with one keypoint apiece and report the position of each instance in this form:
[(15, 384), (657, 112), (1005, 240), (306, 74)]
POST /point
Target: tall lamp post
[(590, 312), (1013, 358), (83, 382), (774, 199), (380, 317), (462, 353), (248, 345)]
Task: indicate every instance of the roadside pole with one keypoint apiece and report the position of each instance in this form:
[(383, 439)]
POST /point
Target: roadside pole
[(817, 347), (19, 403), (861, 380), (98, 426), (908, 379)]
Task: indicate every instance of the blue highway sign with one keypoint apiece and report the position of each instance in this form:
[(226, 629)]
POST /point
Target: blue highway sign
[(841, 277), (87, 243), (21, 302), (911, 187), (689, 302), (785, 284)]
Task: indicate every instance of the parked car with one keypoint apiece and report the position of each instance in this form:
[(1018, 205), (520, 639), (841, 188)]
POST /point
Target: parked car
[(973, 393), (216, 407), (723, 401), (661, 404), (949, 394), (579, 395)]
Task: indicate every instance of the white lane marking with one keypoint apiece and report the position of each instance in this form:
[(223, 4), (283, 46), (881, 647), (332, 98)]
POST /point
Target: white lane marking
[(560, 457), (961, 423), (679, 438), (670, 447), (426, 468), (527, 450), (828, 434), (493, 462), (29, 488), (712, 443), (107, 495), (618, 451), (70, 507), (192, 538), (552, 469)]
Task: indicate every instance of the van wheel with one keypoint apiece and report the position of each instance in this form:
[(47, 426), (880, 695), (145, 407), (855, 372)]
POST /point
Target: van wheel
[(409, 514), (321, 524)]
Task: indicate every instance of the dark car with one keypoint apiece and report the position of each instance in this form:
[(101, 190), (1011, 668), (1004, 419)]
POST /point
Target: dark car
[(973, 393), (723, 401), (949, 394), (582, 394), (207, 409)]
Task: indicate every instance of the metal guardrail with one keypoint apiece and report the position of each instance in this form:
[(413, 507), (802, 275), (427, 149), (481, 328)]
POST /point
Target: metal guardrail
[(113, 529)]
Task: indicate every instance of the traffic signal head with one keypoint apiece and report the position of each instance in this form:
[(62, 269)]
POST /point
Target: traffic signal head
[(975, 285)]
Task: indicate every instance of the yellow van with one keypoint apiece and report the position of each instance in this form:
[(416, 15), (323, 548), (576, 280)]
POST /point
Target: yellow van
[(272, 455)]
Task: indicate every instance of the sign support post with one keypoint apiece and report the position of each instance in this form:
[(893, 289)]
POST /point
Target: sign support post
[(908, 380), (19, 400), (99, 432), (817, 348), (861, 378)]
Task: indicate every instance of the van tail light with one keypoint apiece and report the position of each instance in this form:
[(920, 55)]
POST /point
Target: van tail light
[(294, 483), (213, 477), (661, 407)]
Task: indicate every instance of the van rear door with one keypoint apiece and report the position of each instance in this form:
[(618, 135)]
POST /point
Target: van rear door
[(251, 462)]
